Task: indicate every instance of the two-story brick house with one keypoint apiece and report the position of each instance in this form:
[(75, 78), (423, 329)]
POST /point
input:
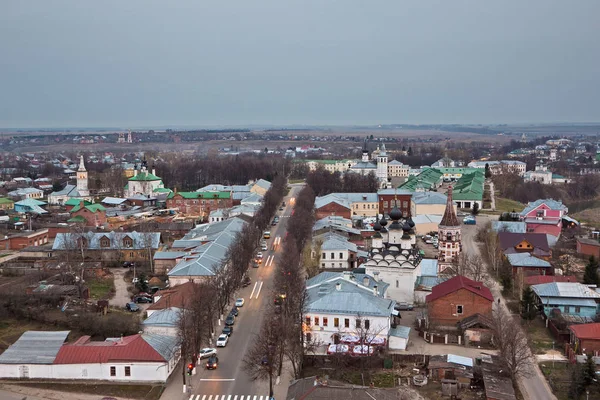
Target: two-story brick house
[(88, 214), (390, 198), (544, 216), (456, 299), (347, 304), (199, 204)]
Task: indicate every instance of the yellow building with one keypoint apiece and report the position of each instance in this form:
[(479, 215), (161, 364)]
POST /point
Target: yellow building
[(6, 204)]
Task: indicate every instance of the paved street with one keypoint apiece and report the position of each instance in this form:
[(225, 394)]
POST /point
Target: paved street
[(230, 381), (534, 387)]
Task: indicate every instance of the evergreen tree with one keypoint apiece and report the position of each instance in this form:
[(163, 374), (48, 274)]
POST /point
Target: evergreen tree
[(488, 173), (577, 382), (589, 370), (590, 276), (410, 151), (528, 307), (475, 209)]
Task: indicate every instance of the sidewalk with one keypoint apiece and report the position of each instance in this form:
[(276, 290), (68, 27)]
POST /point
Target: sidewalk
[(174, 388)]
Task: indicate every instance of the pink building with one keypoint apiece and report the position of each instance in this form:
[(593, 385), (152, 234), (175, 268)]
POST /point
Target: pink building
[(544, 216)]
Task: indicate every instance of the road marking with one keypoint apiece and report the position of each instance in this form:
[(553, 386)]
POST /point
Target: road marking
[(218, 380), (203, 397), (270, 260), (229, 398), (259, 289), (256, 397), (235, 397), (252, 294), (210, 397)]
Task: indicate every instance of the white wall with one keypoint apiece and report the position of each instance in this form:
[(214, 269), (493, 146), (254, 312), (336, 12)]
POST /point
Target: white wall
[(324, 334), (401, 281), (397, 343), (160, 330), (336, 260)]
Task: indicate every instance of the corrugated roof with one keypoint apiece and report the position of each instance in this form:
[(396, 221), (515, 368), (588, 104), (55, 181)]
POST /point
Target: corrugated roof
[(400, 331), (168, 255), (586, 331), (526, 260), (332, 241), (113, 200), (457, 283), (129, 348), (550, 203), (140, 240), (429, 267), (263, 184), (510, 240), (460, 360), (167, 317), (565, 289), (429, 198), (509, 226), (174, 297), (34, 347)]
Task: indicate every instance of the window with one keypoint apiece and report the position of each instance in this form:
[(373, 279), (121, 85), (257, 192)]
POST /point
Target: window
[(405, 204), (127, 242), (358, 324), (308, 337), (367, 324), (577, 309), (459, 310), (336, 322), (322, 265), (397, 283), (104, 243), (567, 309), (341, 265), (332, 256), (131, 254), (341, 256), (307, 321), (316, 321), (324, 256), (128, 371), (346, 323), (385, 205), (113, 371), (325, 321)]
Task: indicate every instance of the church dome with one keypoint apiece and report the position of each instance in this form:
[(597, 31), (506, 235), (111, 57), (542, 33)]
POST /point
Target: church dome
[(410, 222), (377, 226), (406, 227), (383, 221), (395, 214)]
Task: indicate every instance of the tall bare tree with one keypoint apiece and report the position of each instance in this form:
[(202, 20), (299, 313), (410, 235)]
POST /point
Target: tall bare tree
[(513, 347)]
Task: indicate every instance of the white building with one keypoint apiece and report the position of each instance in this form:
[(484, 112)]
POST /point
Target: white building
[(397, 170), (143, 182), (135, 358), (336, 251), (348, 306), (331, 165), (79, 191), (382, 165), (498, 167)]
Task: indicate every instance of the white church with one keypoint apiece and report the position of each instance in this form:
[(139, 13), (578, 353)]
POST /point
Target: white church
[(79, 191), (379, 168)]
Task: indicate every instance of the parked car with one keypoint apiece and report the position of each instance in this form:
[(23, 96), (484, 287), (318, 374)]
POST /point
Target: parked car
[(127, 264), (264, 247), (132, 307), (230, 320), (259, 255), (142, 299), (207, 352), (255, 264), (227, 330), (239, 302), (212, 362), (234, 311), (246, 281), (403, 306), (274, 222), (266, 235), (469, 221), (222, 340)]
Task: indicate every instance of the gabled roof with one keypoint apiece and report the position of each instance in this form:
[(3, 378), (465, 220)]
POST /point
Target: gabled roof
[(509, 226), (4, 200), (565, 289), (140, 348), (510, 240), (68, 191), (586, 331), (429, 198), (168, 317), (94, 208), (141, 240), (526, 260), (76, 202), (201, 195), (113, 200), (331, 198), (457, 283), (263, 184), (333, 241), (550, 203), (174, 297), (34, 347)]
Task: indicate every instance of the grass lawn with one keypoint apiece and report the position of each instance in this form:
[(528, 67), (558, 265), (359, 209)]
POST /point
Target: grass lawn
[(151, 392), (559, 379), (291, 181), (508, 205), (539, 335), (12, 329), (101, 288)]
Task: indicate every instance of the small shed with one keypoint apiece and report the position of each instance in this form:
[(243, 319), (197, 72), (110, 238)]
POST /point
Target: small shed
[(399, 337)]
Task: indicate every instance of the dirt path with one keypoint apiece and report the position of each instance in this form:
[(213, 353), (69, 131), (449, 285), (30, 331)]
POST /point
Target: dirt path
[(122, 296)]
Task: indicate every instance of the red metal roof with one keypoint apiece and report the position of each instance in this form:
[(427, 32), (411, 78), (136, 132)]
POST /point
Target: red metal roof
[(457, 283), (539, 279), (129, 348), (586, 331)]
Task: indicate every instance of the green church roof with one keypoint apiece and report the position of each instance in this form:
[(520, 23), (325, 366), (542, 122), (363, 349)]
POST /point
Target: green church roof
[(144, 176)]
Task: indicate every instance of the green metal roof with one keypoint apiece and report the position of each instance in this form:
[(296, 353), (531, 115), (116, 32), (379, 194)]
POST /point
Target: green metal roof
[(162, 190), (144, 176), (4, 200), (91, 207), (77, 218), (76, 202), (469, 187), (201, 195)]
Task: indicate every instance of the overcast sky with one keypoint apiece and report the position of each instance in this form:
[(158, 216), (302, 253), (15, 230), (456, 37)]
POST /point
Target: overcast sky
[(229, 62)]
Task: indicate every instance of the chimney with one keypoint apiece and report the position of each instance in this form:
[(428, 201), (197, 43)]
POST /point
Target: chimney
[(135, 171), (153, 170), (375, 292), (338, 286), (366, 281), (376, 276)]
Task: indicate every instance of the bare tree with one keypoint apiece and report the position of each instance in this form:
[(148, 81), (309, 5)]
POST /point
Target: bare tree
[(261, 358), (513, 347)]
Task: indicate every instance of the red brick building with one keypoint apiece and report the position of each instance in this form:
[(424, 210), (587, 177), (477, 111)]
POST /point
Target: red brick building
[(334, 207), (28, 239), (389, 198), (89, 215), (588, 247), (456, 299), (585, 336), (199, 204)]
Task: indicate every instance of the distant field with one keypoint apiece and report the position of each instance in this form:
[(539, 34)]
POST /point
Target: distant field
[(508, 205), (590, 216)]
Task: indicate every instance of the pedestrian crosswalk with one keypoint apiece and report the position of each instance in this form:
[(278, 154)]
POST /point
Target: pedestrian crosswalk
[(228, 397)]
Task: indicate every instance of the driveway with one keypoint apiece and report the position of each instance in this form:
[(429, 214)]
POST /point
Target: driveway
[(122, 296), (535, 387)]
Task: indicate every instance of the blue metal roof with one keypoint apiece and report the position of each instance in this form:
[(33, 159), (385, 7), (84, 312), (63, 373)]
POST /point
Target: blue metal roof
[(551, 203), (168, 317), (400, 331), (565, 290), (526, 260)]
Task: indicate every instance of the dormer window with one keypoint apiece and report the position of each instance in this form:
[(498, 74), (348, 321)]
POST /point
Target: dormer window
[(127, 242), (105, 242)]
